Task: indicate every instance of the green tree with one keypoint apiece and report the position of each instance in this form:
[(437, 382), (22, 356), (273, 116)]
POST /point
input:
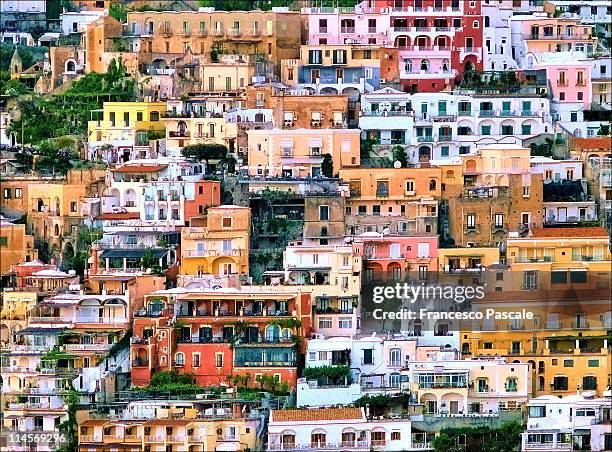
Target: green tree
[(70, 425), (327, 167), (118, 11), (399, 155), (204, 152), (14, 88)]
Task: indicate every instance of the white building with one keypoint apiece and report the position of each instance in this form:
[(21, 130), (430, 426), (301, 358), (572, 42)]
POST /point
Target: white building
[(75, 22), (377, 366), (438, 125), (468, 387), (347, 429), (577, 422), (497, 37)]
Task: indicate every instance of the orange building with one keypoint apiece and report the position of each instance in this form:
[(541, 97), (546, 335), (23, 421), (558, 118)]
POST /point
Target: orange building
[(96, 40), (401, 201)]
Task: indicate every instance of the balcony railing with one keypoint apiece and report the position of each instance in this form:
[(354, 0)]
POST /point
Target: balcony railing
[(347, 29)]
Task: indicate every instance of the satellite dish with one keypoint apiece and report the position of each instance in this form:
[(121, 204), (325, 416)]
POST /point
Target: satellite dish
[(397, 164)]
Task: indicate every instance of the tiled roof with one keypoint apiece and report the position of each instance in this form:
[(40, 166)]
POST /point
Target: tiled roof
[(119, 216), (569, 232), (139, 168), (603, 143), (326, 414)]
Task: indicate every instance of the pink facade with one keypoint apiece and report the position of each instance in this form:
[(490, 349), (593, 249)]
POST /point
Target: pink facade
[(392, 258), (340, 27), (437, 39), (570, 83)]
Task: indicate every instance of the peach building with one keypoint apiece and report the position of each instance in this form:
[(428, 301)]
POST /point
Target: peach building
[(401, 201), (393, 258), (96, 40), (15, 246), (295, 110), (300, 152), (217, 243)]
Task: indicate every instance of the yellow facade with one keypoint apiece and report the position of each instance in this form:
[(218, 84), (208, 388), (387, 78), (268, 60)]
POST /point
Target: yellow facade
[(15, 306), (560, 250), (127, 122), (217, 243), (466, 258), (226, 76), (197, 435), (15, 246), (182, 132)]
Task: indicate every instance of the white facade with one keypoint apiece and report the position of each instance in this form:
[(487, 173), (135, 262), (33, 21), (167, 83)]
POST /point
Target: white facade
[(13, 37), (75, 22), (23, 6), (497, 55), (562, 423), (439, 125), (357, 433)]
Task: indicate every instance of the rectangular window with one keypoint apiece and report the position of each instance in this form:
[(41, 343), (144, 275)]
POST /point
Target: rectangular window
[(368, 357), (3, 241), (471, 221), (593, 363), (558, 277), (345, 323), (219, 360), (324, 323), (323, 213)]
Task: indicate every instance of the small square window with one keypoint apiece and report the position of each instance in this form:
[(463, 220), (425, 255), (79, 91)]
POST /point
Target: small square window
[(226, 222)]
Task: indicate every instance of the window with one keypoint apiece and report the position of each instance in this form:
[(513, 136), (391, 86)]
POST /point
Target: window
[(558, 277), (485, 130), (7, 193), (537, 411), (499, 220), (482, 385), (526, 129), (589, 383), (325, 322), (578, 277), (73, 206), (410, 186), (179, 359), (444, 151), (324, 213), (376, 210), (368, 357), (568, 363), (530, 280), (345, 323), (218, 359), (18, 193), (511, 384), (593, 363), (394, 380), (195, 360), (3, 241), (362, 210), (471, 221), (395, 357), (226, 222), (562, 95), (560, 383)]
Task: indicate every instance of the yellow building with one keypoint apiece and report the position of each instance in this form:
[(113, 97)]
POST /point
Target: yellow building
[(231, 73), (183, 130), (558, 291), (174, 426), (217, 243), (125, 124), (466, 260), (557, 258), (15, 246), (15, 306)]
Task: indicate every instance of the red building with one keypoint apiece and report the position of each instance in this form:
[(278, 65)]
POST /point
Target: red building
[(437, 40), (207, 193), (213, 334)]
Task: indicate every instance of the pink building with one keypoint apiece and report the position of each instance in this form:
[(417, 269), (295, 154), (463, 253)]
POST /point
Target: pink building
[(394, 258), (569, 80), (338, 26)]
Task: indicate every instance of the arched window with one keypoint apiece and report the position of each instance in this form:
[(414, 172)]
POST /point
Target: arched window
[(179, 359), (408, 66), (425, 65), (445, 66), (432, 184), (487, 21), (272, 333)]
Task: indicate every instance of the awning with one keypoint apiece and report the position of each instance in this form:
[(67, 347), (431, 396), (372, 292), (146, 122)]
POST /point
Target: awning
[(133, 254)]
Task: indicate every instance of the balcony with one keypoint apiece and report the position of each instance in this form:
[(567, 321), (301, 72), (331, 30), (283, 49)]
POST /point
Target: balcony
[(179, 134), (425, 139), (464, 113), (506, 113), (215, 253), (486, 113), (347, 30), (445, 138)]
